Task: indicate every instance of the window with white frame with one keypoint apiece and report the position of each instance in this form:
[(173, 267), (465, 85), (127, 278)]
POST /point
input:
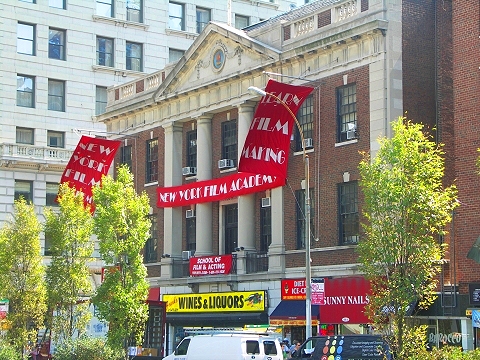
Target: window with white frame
[(126, 156), (56, 43), (24, 188), (25, 91), (192, 148), (203, 18), (59, 4), (26, 38), (152, 161), (104, 51), (55, 139), (231, 227), (175, 54), (305, 119), (56, 95), (134, 10), (349, 221), (134, 56), (150, 251), (100, 100), (105, 8), (346, 112), (176, 16), (25, 136), (229, 140), (241, 21), (191, 226), (265, 228), (51, 194)]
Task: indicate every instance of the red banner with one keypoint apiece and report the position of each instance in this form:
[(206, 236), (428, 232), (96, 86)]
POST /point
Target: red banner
[(343, 301), (211, 265), (216, 189), (90, 160), (267, 145)]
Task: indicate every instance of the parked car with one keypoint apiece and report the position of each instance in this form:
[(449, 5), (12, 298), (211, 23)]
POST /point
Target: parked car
[(231, 346)]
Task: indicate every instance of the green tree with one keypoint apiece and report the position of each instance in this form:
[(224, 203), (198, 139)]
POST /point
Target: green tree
[(22, 276), (122, 227), (406, 209), (69, 232)]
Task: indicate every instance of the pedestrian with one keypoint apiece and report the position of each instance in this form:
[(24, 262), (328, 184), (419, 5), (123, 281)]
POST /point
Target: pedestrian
[(295, 349), (285, 349)]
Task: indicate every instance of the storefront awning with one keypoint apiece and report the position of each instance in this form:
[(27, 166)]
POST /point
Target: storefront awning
[(154, 294), (292, 312), (234, 319)]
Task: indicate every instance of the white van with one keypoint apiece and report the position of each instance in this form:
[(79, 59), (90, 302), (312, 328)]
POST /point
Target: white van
[(231, 346)]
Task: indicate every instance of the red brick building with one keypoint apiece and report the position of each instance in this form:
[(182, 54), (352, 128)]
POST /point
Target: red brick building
[(369, 61)]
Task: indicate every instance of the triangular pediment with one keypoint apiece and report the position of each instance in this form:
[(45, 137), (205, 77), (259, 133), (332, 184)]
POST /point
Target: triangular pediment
[(219, 53)]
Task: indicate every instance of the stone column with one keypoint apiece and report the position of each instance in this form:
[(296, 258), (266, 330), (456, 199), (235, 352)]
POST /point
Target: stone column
[(246, 203), (276, 250), (204, 217), (173, 217)]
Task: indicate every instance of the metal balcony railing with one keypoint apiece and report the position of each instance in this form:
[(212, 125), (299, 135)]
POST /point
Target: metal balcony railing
[(256, 262)]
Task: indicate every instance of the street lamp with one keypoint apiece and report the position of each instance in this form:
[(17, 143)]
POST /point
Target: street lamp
[(308, 272)]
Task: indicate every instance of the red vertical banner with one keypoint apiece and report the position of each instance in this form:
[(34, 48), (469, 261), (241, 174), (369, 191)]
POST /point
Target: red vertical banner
[(90, 160), (267, 145)]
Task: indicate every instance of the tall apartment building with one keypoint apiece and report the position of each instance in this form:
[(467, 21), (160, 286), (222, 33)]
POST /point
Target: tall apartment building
[(59, 58), (369, 62)]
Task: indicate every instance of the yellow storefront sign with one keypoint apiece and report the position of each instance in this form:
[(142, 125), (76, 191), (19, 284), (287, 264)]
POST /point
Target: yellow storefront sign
[(216, 302)]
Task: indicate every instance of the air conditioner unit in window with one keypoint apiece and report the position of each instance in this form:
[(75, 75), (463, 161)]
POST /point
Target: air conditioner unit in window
[(187, 254), (225, 163), (189, 170), (190, 214), (351, 134), (308, 142), (266, 202)]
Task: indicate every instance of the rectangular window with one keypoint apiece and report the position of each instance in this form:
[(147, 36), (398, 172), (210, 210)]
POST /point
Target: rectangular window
[(241, 21), (176, 16), (134, 10), (192, 148), (152, 161), (24, 188), (203, 18), (25, 91), (25, 136), (59, 4), (174, 54), (56, 44), (100, 100), (301, 217), (346, 112), (104, 51), (52, 191), (305, 119), (150, 254), (56, 95), (191, 225), (104, 8), (26, 39), (231, 227), (265, 228), (229, 140), (126, 153), (349, 221), (134, 56), (55, 139)]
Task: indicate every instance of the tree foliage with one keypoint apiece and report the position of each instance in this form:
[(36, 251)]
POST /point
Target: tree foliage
[(122, 227), (406, 209), (22, 275), (69, 232)]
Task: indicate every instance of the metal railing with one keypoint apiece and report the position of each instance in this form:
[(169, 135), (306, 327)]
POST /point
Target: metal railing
[(256, 262)]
